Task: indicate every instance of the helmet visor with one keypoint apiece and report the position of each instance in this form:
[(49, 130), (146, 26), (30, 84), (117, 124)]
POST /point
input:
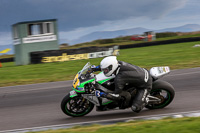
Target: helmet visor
[(107, 69)]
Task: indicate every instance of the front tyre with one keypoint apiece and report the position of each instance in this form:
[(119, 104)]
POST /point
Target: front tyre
[(164, 91), (76, 106)]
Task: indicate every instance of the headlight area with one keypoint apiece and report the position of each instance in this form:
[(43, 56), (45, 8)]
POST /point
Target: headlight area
[(89, 88), (84, 87)]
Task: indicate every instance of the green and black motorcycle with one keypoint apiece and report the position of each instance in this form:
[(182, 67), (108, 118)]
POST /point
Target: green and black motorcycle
[(82, 99)]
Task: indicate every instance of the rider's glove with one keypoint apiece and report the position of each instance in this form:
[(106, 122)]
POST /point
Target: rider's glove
[(95, 68), (92, 69)]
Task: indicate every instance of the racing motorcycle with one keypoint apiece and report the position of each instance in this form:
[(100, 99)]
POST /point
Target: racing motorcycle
[(82, 99)]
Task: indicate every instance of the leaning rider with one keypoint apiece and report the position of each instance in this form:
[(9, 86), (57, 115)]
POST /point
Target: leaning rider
[(126, 73)]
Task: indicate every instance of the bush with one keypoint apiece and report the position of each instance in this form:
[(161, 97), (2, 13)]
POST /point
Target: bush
[(166, 34), (104, 41), (122, 39)]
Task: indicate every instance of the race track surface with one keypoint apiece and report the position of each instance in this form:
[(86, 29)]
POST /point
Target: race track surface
[(38, 105)]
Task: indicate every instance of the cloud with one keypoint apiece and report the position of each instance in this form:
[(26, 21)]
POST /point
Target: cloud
[(73, 14), (86, 13), (80, 17), (5, 38)]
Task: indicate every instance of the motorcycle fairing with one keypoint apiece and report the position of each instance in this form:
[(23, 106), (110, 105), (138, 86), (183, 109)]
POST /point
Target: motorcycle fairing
[(101, 78), (95, 100), (92, 98), (78, 84)]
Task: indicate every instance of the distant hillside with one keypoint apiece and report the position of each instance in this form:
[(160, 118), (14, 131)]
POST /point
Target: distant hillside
[(126, 32), (184, 28), (109, 34)]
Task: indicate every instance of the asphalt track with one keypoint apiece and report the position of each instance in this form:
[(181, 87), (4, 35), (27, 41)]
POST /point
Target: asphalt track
[(38, 105)]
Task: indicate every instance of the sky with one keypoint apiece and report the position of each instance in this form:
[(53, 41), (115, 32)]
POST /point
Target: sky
[(77, 18)]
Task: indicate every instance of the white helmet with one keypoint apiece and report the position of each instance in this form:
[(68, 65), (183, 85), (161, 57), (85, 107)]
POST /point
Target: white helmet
[(109, 65)]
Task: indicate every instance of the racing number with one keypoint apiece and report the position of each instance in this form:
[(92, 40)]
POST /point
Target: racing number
[(76, 81)]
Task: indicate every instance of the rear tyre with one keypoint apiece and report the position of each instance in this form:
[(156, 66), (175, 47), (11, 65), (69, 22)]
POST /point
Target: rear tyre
[(164, 91), (76, 106)]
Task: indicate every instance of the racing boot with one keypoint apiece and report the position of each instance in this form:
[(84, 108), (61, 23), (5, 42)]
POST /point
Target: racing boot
[(140, 100)]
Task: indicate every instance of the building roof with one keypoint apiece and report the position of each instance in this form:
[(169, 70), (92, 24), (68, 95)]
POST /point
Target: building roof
[(35, 21)]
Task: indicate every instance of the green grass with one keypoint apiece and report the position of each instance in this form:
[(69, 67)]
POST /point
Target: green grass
[(169, 125), (177, 56)]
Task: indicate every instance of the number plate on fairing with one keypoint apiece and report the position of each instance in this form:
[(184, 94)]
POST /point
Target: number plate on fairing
[(157, 72), (72, 93)]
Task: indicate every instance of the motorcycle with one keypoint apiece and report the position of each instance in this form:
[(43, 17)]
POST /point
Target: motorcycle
[(82, 99)]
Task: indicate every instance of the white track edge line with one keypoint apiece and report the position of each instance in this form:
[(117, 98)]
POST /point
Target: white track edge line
[(100, 121)]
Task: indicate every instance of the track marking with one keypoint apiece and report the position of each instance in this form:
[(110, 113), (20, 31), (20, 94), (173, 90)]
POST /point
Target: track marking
[(61, 126)]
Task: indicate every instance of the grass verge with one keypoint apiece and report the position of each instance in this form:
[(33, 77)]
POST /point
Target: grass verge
[(126, 40), (177, 56), (168, 125)]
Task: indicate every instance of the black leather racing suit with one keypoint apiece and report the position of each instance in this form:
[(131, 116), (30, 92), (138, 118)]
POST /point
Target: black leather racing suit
[(133, 75), (136, 77)]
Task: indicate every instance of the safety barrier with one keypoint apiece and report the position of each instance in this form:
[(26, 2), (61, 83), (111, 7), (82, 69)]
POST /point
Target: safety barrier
[(72, 54), (11, 59), (153, 43), (91, 52)]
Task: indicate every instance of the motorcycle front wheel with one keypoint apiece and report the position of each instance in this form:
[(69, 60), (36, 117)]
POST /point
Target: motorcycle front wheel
[(76, 106)]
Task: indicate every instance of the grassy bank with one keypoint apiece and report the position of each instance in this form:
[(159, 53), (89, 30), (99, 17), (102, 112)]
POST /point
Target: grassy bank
[(181, 125), (177, 56), (127, 40)]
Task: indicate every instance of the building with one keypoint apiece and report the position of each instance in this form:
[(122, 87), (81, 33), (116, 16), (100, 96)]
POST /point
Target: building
[(34, 36)]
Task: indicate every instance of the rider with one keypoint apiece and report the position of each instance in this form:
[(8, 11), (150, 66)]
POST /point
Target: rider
[(126, 73)]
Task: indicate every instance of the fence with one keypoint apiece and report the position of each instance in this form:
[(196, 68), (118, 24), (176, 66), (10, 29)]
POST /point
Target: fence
[(37, 57)]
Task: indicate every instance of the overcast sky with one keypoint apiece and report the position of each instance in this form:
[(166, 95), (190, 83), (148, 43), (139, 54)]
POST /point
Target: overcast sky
[(80, 17)]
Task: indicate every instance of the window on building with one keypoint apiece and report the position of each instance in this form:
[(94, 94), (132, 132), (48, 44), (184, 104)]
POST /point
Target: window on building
[(15, 32), (48, 27), (40, 28)]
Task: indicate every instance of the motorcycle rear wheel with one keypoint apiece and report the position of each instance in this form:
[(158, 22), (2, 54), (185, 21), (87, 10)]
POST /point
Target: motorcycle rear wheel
[(164, 91), (76, 106)]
